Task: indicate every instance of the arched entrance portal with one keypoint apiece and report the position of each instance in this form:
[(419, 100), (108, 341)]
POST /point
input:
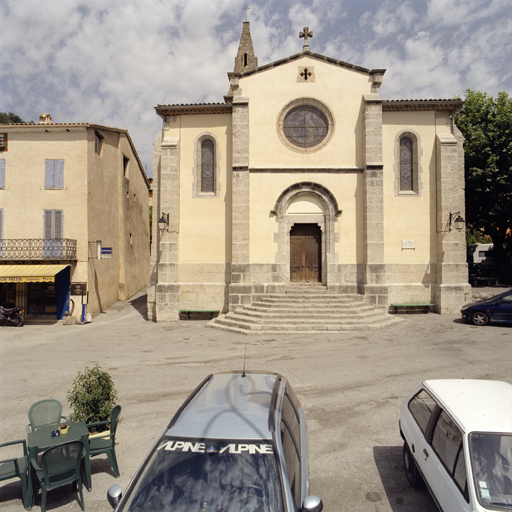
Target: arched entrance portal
[(306, 213), (305, 253)]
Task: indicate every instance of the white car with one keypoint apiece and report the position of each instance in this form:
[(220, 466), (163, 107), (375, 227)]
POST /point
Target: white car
[(458, 437)]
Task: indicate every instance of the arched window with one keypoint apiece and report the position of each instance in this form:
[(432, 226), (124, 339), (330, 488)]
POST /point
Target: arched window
[(207, 166), (406, 164)]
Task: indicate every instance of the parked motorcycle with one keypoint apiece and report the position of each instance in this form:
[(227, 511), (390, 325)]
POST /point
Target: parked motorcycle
[(13, 315)]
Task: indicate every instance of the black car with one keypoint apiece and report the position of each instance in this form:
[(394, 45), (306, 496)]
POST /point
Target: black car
[(496, 309), (239, 443)]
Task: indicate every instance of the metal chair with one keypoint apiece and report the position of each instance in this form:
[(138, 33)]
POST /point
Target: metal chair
[(44, 412), (107, 443), (60, 465), (17, 467)]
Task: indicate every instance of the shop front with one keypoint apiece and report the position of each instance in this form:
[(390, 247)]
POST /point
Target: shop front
[(41, 290)]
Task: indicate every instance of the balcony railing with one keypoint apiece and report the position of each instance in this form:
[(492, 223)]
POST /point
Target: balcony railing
[(38, 249)]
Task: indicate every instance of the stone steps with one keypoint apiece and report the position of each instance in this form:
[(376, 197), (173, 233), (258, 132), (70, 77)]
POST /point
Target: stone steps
[(304, 309)]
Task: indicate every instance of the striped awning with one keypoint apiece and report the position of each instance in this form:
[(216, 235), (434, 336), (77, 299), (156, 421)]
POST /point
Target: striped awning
[(29, 273)]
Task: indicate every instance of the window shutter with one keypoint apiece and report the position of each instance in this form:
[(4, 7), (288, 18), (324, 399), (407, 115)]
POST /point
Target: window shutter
[(58, 224), (58, 174), (2, 172), (48, 224), (54, 174), (48, 174)]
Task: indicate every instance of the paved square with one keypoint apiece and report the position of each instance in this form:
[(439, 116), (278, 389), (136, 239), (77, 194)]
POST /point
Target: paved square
[(351, 385)]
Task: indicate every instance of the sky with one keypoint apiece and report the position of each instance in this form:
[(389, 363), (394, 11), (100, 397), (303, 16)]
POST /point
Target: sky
[(111, 62)]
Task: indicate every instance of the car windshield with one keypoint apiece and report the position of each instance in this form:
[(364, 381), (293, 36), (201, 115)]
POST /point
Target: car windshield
[(491, 457), (205, 475)]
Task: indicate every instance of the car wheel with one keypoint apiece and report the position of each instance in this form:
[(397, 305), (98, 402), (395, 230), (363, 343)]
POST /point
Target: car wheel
[(411, 471), (479, 318)]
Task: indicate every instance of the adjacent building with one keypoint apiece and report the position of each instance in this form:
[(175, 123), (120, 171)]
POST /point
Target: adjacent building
[(306, 174), (74, 218)]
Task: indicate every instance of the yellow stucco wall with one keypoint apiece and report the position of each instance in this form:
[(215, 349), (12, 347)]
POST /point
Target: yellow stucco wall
[(25, 198), (409, 217), (339, 88), (205, 227), (117, 208), (265, 189), (95, 207)]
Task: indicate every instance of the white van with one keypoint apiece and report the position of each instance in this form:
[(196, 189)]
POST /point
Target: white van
[(481, 253)]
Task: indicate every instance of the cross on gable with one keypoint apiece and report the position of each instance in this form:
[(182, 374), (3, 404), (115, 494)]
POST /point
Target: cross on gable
[(246, 9), (306, 73), (306, 34)]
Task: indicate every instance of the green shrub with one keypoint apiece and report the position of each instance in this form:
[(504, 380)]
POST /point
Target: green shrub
[(93, 395)]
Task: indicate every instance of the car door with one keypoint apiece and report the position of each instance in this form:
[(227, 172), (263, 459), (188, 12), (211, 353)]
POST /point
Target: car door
[(415, 421), (290, 437), (503, 310), (442, 463)]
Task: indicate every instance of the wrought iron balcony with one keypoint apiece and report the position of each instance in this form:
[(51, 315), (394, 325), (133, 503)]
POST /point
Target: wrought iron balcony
[(38, 249)]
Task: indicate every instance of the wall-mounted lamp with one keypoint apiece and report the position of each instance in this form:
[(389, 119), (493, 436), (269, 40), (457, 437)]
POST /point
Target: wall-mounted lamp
[(163, 222), (455, 218)]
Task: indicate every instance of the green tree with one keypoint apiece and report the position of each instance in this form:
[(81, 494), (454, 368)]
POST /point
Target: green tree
[(486, 124), (10, 118)]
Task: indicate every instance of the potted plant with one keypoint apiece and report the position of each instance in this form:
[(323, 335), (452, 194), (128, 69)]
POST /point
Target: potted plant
[(92, 396)]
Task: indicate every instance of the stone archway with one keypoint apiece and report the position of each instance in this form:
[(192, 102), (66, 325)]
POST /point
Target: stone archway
[(323, 213)]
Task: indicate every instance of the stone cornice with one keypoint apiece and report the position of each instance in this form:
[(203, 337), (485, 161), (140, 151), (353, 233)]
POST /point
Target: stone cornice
[(331, 170), (193, 109), (312, 55), (421, 105)]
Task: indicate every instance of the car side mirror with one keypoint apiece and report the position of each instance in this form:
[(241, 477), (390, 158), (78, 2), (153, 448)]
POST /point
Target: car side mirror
[(312, 504), (114, 495)]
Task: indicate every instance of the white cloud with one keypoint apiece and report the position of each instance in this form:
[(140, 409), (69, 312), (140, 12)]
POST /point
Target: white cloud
[(112, 62)]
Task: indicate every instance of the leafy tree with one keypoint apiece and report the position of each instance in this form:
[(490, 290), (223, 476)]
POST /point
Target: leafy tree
[(486, 124), (10, 118)]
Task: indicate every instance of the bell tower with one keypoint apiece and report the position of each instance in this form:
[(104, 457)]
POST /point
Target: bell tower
[(245, 59)]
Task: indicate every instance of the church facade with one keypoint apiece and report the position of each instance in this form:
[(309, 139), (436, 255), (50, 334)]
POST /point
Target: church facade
[(306, 175)]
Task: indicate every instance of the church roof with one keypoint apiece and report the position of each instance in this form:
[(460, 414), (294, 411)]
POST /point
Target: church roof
[(450, 105), (306, 53), (193, 109)]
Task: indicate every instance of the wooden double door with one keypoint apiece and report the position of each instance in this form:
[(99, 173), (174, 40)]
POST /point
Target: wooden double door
[(305, 253)]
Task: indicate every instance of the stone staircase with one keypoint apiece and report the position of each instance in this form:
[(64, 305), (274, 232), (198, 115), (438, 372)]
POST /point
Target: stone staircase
[(304, 309)]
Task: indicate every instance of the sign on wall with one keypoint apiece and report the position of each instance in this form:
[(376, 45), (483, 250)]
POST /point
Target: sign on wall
[(78, 288)]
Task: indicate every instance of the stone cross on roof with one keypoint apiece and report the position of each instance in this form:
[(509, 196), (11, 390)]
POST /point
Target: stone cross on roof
[(246, 9), (306, 34)]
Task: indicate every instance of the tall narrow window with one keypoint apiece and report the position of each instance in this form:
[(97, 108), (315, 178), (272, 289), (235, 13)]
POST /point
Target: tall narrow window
[(2, 173), (98, 142), (53, 233), (126, 162), (406, 164), (54, 174), (207, 165)]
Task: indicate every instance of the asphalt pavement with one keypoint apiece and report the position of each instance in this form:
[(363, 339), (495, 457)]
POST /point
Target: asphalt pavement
[(351, 385)]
